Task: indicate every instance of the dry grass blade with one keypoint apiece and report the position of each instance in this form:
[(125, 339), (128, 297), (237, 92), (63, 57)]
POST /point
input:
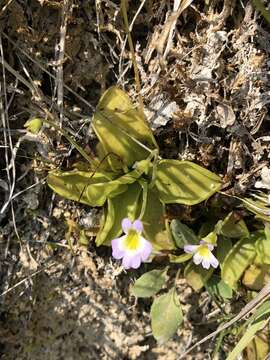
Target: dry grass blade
[(11, 176), (123, 46), (263, 295), (60, 52), (8, 146), (4, 8), (9, 68), (26, 278), (169, 26)]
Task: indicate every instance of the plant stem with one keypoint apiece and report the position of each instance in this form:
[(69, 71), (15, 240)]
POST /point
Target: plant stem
[(144, 186)]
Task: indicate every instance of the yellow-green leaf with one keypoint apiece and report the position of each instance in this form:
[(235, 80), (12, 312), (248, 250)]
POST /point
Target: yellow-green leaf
[(86, 187), (259, 348), (166, 316), (121, 129), (258, 324), (155, 229), (255, 277), (127, 204), (182, 234), (196, 275), (224, 245), (179, 259), (216, 287), (259, 206), (184, 182), (33, 125), (263, 245), (106, 224), (237, 260), (232, 227), (90, 188), (149, 283)]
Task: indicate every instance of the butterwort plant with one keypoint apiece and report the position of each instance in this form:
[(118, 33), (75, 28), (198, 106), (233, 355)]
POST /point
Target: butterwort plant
[(129, 179), (133, 185)]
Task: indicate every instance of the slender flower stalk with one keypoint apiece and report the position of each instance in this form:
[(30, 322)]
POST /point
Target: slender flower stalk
[(132, 248), (202, 254)]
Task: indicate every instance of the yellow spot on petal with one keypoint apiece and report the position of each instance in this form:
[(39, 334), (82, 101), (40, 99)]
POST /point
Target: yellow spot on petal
[(132, 240), (204, 251)]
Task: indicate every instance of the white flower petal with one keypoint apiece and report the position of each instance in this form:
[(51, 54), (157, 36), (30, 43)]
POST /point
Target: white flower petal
[(135, 262), (146, 249), (213, 261), (197, 258), (190, 249), (126, 262), (206, 263), (117, 250)]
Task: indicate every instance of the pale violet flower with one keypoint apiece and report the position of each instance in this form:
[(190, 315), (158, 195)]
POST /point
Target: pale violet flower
[(132, 248), (202, 254)]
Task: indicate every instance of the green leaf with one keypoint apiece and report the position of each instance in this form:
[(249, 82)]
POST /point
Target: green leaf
[(206, 227), (224, 246), (259, 347), (262, 310), (263, 245), (258, 324), (259, 207), (179, 259), (155, 229), (182, 234), (124, 205), (166, 316), (262, 9), (107, 223), (128, 204), (218, 288), (196, 275), (91, 188), (149, 283), (184, 182), (232, 227), (86, 187), (33, 125), (120, 129), (237, 260)]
